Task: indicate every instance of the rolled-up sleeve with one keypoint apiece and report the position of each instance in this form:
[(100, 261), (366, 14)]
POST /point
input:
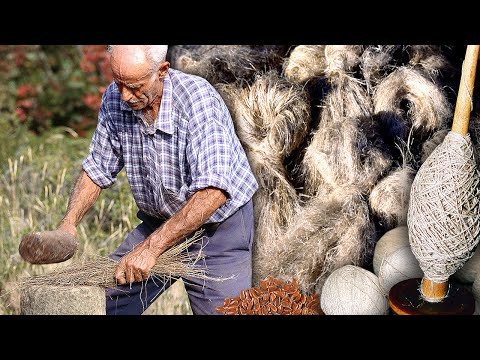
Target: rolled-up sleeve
[(210, 149), (104, 160)]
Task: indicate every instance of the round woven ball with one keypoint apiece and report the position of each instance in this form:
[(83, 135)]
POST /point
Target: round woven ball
[(62, 300), (398, 266), (390, 242), (352, 290)]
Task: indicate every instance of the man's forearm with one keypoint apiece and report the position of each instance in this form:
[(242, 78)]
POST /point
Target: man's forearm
[(84, 194), (193, 215)]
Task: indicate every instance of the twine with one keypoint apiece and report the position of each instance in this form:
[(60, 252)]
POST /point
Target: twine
[(443, 215)]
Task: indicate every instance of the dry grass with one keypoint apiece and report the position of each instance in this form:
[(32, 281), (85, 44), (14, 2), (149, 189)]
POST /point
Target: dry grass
[(34, 191)]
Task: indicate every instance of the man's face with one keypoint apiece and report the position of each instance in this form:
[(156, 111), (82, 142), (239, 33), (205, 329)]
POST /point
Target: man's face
[(138, 85)]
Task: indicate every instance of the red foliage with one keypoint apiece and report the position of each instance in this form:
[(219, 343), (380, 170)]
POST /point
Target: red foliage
[(25, 90), (93, 101), (50, 90), (95, 61)]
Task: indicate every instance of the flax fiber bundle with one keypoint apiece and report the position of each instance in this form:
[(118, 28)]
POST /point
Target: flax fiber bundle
[(342, 153), (271, 117), (374, 61), (406, 99), (331, 230), (305, 62), (342, 59), (229, 63), (175, 262), (346, 148), (428, 58), (431, 144), (390, 197)]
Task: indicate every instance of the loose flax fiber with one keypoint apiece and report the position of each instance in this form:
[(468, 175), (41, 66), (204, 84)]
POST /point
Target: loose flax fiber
[(175, 262), (344, 150)]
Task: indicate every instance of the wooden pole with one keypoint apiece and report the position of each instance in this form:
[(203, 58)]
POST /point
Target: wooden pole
[(465, 91)]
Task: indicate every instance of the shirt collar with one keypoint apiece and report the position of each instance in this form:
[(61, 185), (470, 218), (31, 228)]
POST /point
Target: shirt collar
[(164, 120)]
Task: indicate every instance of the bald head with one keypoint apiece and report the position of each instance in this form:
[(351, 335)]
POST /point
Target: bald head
[(138, 71), (153, 54), (136, 54), (130, 63)]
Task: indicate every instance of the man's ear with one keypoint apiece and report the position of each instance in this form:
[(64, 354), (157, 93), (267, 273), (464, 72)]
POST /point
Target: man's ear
[(162, 71)]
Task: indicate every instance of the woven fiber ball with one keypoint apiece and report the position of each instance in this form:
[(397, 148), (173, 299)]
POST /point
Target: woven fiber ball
[(63, 300), (469, 271), (398, 266), (390, 242), (352, 290)]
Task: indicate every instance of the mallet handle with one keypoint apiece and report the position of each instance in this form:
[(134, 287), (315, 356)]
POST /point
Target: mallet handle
[(465, 91)]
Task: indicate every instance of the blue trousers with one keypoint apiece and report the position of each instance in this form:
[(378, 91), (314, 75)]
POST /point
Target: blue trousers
[(228, 254)]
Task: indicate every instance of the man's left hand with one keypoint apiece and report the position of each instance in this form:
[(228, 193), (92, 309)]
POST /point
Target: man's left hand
[(135, 266)]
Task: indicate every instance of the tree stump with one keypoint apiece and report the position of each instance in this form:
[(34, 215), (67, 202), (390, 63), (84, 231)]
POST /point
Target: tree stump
[(62, 300)]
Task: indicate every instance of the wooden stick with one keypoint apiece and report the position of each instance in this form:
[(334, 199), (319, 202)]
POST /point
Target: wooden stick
[(433, 291), (465, 91)]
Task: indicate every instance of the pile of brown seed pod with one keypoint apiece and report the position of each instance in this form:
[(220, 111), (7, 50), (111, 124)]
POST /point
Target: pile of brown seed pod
[(272, 298)]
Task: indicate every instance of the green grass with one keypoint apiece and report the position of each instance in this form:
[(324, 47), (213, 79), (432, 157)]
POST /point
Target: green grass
[(36, 177)]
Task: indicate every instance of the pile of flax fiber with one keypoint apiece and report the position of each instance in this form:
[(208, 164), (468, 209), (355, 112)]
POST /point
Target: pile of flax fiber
[(334, 136)]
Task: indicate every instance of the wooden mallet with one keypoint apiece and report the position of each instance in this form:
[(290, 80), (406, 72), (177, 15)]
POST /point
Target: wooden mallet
[(48, 247), (444, 216)]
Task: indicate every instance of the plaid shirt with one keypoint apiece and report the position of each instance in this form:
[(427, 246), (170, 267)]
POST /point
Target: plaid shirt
[(191, 145)]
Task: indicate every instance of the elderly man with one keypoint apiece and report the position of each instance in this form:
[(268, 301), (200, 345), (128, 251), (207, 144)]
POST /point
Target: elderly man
[(187, 170)]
